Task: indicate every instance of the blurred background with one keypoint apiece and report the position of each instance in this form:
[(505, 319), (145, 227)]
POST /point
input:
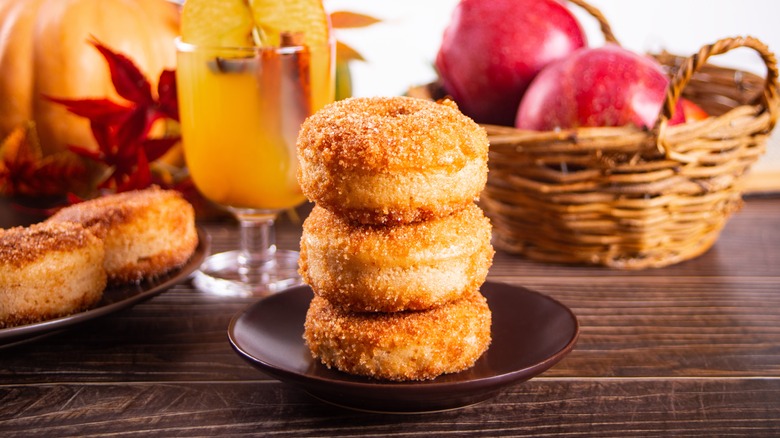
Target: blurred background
[(399, 51)]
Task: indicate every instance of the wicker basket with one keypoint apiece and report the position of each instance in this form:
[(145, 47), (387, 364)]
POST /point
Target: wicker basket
[(630, 198)]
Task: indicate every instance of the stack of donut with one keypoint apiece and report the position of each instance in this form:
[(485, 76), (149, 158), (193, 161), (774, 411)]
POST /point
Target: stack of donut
[(395, 248)]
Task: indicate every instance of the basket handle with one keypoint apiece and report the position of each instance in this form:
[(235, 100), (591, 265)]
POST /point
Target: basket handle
[(692, 64), (606, 29)]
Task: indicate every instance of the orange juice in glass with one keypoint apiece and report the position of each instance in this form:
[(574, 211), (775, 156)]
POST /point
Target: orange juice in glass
[(240, 112)]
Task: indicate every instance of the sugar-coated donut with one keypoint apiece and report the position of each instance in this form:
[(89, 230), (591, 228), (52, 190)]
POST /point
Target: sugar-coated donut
[(146, 232), (380, 268), (47, 271), (391, 159), (413, 345)]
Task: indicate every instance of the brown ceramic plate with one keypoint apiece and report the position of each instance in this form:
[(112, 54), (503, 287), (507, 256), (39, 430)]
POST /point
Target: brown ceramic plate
[(115, 298), (531, 333)]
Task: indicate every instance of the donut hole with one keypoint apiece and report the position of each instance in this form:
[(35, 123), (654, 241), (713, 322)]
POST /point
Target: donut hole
[(399, 111), (400, 159)]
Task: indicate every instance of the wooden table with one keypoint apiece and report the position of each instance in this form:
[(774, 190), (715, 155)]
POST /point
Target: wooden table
[(693, 350)]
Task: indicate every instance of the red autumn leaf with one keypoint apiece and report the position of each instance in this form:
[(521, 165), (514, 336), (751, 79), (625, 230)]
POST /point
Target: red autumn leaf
[(139, 179), (98, 110), (119, 158), (104, 138), (128, 80), (84, 152), (73, 199), (134, 129), (166, 92), (122, 131), (157, 147)]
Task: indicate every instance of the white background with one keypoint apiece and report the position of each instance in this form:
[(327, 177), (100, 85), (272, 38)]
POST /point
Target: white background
[(400, 51)]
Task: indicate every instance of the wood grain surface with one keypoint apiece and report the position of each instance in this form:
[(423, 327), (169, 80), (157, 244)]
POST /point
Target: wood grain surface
[(688, 350)]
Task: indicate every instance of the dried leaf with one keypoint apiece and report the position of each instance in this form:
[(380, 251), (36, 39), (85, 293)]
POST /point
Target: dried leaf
[(16, 146), (345, 53), (25, 171), (349, 20)]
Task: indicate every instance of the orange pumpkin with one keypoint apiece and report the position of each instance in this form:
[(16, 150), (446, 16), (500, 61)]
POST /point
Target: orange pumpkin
[(44, 50)]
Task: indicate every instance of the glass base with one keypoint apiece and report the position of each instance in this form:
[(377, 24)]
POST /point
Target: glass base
[(221, 274)]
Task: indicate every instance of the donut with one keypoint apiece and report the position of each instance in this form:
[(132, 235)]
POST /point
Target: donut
[(48, 270), (379, 268), (401, 346), (146, 232), (378, 160)]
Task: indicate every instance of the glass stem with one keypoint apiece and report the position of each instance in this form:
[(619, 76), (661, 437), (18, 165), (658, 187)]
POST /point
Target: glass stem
[(258, 245)]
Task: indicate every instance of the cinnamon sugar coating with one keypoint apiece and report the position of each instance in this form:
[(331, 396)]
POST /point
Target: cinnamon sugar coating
[(146, 232), (379, 268), (400, 346), (392, 159), (20, 246), (48, 270)]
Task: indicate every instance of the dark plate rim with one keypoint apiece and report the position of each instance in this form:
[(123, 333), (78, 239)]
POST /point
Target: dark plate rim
[(16, 335), (485, 383)]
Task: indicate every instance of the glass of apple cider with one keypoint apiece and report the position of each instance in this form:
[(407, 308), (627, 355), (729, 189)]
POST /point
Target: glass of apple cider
[(240, 112)]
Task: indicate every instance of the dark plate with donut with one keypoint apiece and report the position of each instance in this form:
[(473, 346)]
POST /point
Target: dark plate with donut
[(114, 298), (531, 333)]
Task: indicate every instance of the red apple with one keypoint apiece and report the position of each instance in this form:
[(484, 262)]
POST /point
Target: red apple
[(492, 49), (605, 86)]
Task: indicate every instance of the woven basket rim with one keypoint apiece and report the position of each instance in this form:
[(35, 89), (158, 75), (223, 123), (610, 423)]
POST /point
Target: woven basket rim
[(628, 197)]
